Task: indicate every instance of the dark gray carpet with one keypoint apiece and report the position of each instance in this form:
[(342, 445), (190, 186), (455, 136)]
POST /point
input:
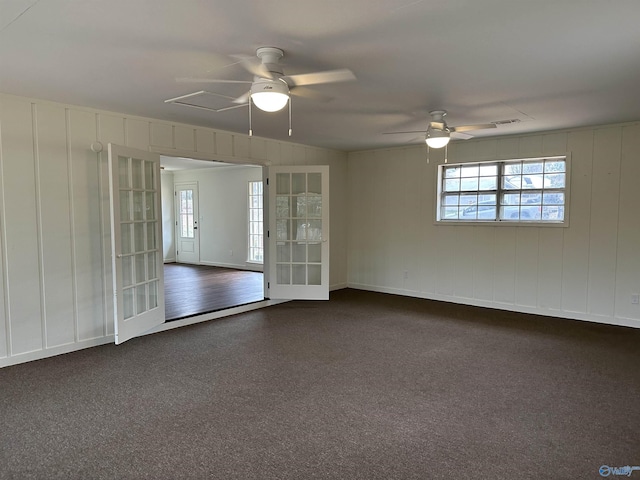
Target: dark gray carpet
[(365, 386)]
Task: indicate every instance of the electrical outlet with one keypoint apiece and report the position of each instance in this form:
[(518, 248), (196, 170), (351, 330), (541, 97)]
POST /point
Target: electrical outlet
[(635, 299), (406, 275)]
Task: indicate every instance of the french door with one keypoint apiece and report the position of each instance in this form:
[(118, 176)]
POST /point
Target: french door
[(136, 241), (298, 232)]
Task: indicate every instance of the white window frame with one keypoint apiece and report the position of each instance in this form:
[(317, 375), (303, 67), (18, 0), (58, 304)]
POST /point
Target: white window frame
[(499, 191), (254, 225)]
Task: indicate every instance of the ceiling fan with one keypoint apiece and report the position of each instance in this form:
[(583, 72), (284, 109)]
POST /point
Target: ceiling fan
[(438, 133), (270, 88)]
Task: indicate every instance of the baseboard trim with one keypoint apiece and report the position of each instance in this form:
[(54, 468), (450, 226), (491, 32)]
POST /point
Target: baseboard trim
[(512, 307), (248, 267), (55, 351)]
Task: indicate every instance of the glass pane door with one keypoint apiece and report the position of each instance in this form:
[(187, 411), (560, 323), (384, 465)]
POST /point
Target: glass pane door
[(299, 236), (136, 241)]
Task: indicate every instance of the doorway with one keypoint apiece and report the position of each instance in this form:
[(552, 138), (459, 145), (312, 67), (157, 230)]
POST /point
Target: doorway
[(206, 213)]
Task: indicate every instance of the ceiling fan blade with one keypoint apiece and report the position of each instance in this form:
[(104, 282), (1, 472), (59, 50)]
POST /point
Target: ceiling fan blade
[(231, 108), (466, 128), (328, 76), (309, 93), (251, 65), (397, 133), (208, 80), (462, 136), (242, 99), (438, 125)]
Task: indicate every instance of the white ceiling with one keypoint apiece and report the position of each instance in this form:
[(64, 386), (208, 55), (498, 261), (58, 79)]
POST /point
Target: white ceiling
[(549, 63)]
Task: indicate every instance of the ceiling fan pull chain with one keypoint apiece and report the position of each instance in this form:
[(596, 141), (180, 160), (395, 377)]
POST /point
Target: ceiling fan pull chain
[(427, 153), (250, 129), (446, 153), (290, 116)]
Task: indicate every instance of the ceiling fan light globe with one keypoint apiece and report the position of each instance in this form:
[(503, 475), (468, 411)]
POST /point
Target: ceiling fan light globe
[(437, 138), (270, 101), (270, 95)]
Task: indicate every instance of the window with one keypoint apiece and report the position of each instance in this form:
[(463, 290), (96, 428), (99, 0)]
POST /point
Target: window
[(530, 190), (256, 246), (186, 214)]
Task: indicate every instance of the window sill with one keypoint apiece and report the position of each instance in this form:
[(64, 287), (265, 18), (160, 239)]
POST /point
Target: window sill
[(504, 223)]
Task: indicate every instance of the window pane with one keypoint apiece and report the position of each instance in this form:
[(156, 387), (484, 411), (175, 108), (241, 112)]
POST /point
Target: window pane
[(151, 236), (150, 206), (315, 274), (553, 213), (554, 180), (315, 183), (141, 299), (452, 185), (138, 205), (127, 271), (153, 295), (282, 184), (449, 213), (532, 181), (282, 229), (298, 274), (452, 172), (149, 175), (141, 271), (314, 251), (531, 198), (123, 172), (299, 204), (472, 171), (125, 238), (282, 206), (136, 173), (125, 205), (469, 199), (553, 198), (283, 274), (510, 199), (551, 166), (300, 252), (151, 266), (138, 229), (467, 184), (298, 183), (488, 170), (488, 183), (128, 302), (512, 182), (283, 252), (532, 167), (255, 220), (450, 199)]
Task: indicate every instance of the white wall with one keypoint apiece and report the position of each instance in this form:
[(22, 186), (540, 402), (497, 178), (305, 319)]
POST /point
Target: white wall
[(55, 282), (223, 211), (585, 271), (168, 217)]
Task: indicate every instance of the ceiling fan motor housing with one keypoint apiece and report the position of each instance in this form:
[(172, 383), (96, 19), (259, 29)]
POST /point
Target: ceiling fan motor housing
[(270, 58), (269, 95)]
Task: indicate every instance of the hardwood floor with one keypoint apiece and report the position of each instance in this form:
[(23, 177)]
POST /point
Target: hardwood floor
[(197, 289)]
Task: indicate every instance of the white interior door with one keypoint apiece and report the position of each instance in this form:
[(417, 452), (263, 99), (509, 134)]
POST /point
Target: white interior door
[(298, 232), (136, 241), (187, 233)]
